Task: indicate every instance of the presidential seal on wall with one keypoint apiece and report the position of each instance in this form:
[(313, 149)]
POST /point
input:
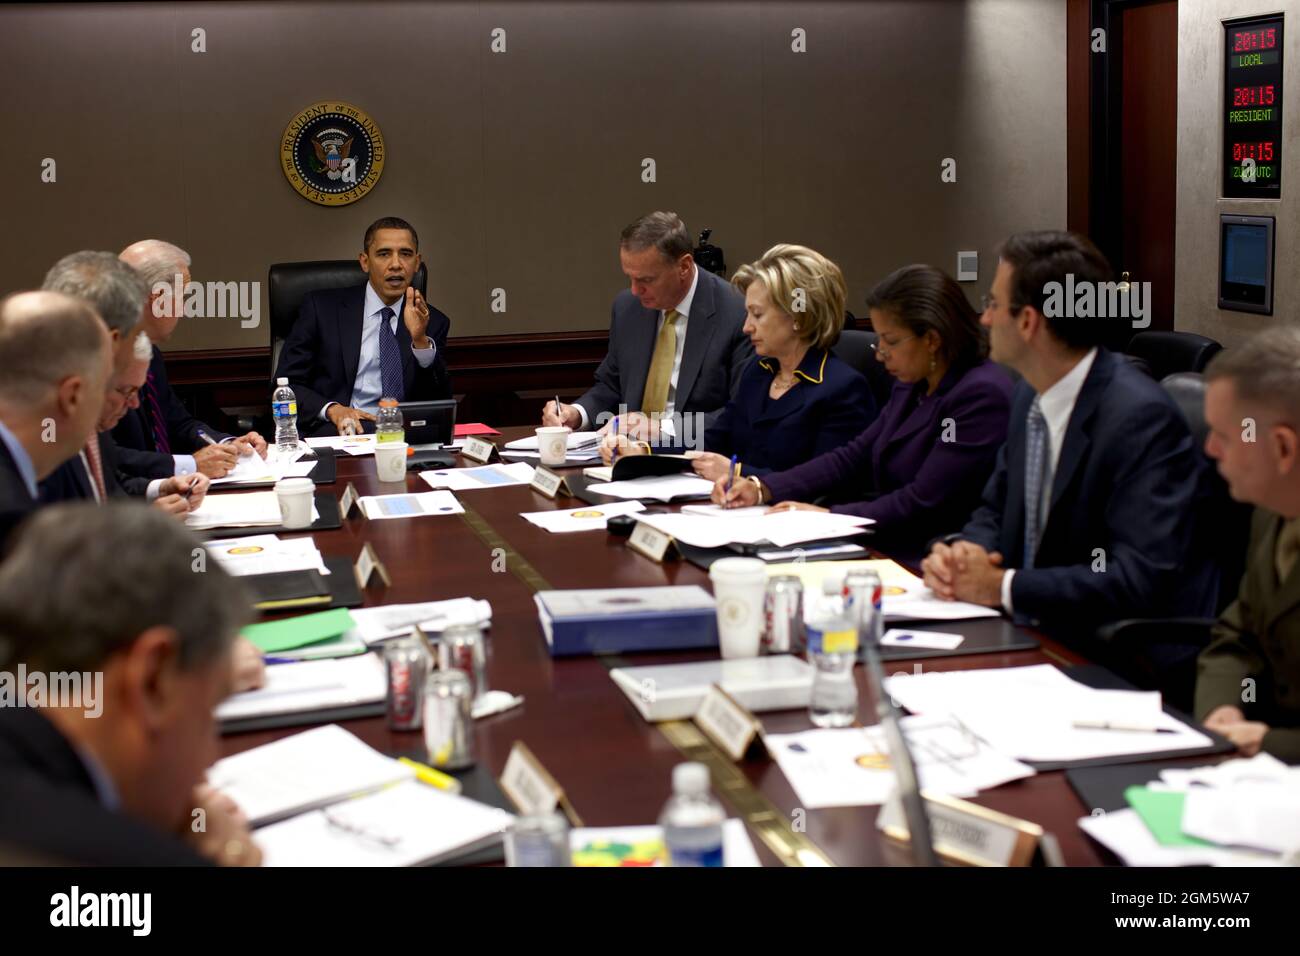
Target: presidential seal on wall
[(332, 153)]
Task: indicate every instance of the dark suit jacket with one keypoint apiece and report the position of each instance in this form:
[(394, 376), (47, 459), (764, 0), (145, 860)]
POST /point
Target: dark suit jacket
[(1128, 482), (714, 356), (16, 502), (321, 355), (919, 468), (49, 807), (1258, 638), (830, 404), (71, 481), (139, 453)]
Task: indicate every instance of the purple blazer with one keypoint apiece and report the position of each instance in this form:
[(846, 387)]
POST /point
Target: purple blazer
[(920, 468)]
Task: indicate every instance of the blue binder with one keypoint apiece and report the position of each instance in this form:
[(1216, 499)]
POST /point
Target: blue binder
[(625, 620)]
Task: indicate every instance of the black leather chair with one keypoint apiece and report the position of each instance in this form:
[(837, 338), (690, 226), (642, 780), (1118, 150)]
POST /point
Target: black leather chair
[(1223, 527), (289, 282), (857, 348), (1170, 352)]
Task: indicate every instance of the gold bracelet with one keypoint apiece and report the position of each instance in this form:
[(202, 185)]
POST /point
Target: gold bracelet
[(763, 494)]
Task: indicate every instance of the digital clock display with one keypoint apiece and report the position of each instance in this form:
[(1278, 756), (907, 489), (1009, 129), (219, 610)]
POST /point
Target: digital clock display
[(1252, 109)]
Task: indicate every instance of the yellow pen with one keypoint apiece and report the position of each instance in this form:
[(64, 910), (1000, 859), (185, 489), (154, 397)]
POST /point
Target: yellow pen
[(434, 778)]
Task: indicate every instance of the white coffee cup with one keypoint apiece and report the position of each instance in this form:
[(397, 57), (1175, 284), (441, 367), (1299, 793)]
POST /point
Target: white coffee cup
[(295, 496), (553, 444), (739, 587), (390, 460)]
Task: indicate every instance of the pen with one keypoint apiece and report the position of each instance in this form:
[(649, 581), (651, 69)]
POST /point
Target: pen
[(207, 438), (1126, 728), (731, 476), (613, 460), (434, 778), (557, 410), (279, 660)]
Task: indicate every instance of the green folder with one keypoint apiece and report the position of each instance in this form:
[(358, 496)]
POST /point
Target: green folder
[(1162, 812), (292, 632)]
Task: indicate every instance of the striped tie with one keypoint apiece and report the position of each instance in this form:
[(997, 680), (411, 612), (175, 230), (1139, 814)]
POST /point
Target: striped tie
[(153, 415), (1037, 480), (390, 358), (96, 467)]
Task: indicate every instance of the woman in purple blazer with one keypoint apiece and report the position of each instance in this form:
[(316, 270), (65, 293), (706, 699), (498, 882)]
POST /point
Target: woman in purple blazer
[(920, 467)]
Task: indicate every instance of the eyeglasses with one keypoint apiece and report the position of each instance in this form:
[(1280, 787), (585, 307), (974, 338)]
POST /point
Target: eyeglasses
[(128, 392), (988, 302), (887, 348)]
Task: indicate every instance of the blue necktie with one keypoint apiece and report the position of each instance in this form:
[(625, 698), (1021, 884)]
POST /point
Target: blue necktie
[(1036, 479), (390, 358)]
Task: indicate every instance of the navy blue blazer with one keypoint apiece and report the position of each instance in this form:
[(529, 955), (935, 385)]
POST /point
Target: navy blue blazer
[(321, 355), (1126, 491), (139, 455), (830, 403), (71, 481)]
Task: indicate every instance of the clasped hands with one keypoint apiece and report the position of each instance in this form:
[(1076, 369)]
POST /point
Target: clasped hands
[(964, 571)]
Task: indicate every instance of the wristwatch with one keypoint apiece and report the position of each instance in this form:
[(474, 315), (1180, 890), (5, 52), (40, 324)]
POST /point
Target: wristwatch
[(764, 496)]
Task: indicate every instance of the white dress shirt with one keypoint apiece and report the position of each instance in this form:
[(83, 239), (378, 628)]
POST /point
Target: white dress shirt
[(1057, 405), (368, 388), (683, 312)]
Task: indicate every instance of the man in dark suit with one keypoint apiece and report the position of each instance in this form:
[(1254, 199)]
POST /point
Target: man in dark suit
[(351, 347), (57, 358), (1089, 515), (676, 341), (105, 764)]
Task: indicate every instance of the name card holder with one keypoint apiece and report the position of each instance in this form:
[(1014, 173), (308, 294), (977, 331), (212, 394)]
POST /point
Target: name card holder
[(479, 450), (348, 501), (367, 564), (966, 833), (652, 543), (548, 483), (532, 788), (730, 725)]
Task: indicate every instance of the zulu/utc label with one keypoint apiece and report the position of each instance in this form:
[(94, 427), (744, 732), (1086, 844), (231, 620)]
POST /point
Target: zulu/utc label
[(332, 153)]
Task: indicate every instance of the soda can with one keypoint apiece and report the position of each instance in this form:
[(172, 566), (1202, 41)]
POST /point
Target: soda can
[(863, 598), (406, 664), (541, 840), (784, 633), (448, 723), (461, 647)]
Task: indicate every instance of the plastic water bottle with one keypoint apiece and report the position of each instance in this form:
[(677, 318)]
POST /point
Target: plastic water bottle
[(832, 650), (389, 425), (284, 409), (692, 819)]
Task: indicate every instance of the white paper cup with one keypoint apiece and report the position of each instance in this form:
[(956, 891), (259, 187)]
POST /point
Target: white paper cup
[(739, 586), (390, 460), (295, 496), (553, 444)]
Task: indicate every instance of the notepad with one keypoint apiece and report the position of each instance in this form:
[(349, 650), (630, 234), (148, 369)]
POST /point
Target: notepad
[(310, 686), (1162, 812), (247, 510), (487, 476), (379, 507), (291, 632)]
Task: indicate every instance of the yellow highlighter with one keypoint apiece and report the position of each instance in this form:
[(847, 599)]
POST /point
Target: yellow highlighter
[(434, 778)]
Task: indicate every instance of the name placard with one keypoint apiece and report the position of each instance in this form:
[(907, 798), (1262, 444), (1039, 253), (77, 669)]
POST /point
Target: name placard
[(652, 543), (479, 450), (548, 482), (729, 724), (531, 787), (367, 564), (348, 500), (967, 833)]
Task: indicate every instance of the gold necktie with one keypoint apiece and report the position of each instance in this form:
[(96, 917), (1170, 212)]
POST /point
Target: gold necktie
[(655, 396), (1288, 548)]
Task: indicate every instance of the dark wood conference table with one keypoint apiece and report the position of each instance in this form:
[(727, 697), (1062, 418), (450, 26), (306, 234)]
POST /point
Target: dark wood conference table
[(615, 767)]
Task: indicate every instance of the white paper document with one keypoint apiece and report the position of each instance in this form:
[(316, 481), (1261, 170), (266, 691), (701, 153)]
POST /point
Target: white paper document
[(266, 554), (487, 476), (656, 488), (252, 469), (904, 595), (377, 507), (409, 824), (588, 518), (851, 767), (935, 640), (577, 442), (312, 769), (351, 444), (782, 528), (634, 846), (1124, 834), (675, 691), (249, 509), (309, 686), (1030, 713), (376, 624)]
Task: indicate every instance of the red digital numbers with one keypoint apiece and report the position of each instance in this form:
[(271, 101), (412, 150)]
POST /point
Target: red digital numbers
[(1261, 152), (1253, 95), (1245, 42)]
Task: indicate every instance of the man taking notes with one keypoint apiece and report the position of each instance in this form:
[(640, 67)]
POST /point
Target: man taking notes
[(677, 345)]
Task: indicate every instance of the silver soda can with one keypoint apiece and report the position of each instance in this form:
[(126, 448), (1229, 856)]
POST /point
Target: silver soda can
[(541, 840), (784, 633), (448, 724), (406, 663), (462, 648), (863, 598)]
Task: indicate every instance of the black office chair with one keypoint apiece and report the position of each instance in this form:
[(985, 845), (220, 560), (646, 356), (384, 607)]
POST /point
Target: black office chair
[(1223, 532), (289, 282), (857, 349), (1170, 352)]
